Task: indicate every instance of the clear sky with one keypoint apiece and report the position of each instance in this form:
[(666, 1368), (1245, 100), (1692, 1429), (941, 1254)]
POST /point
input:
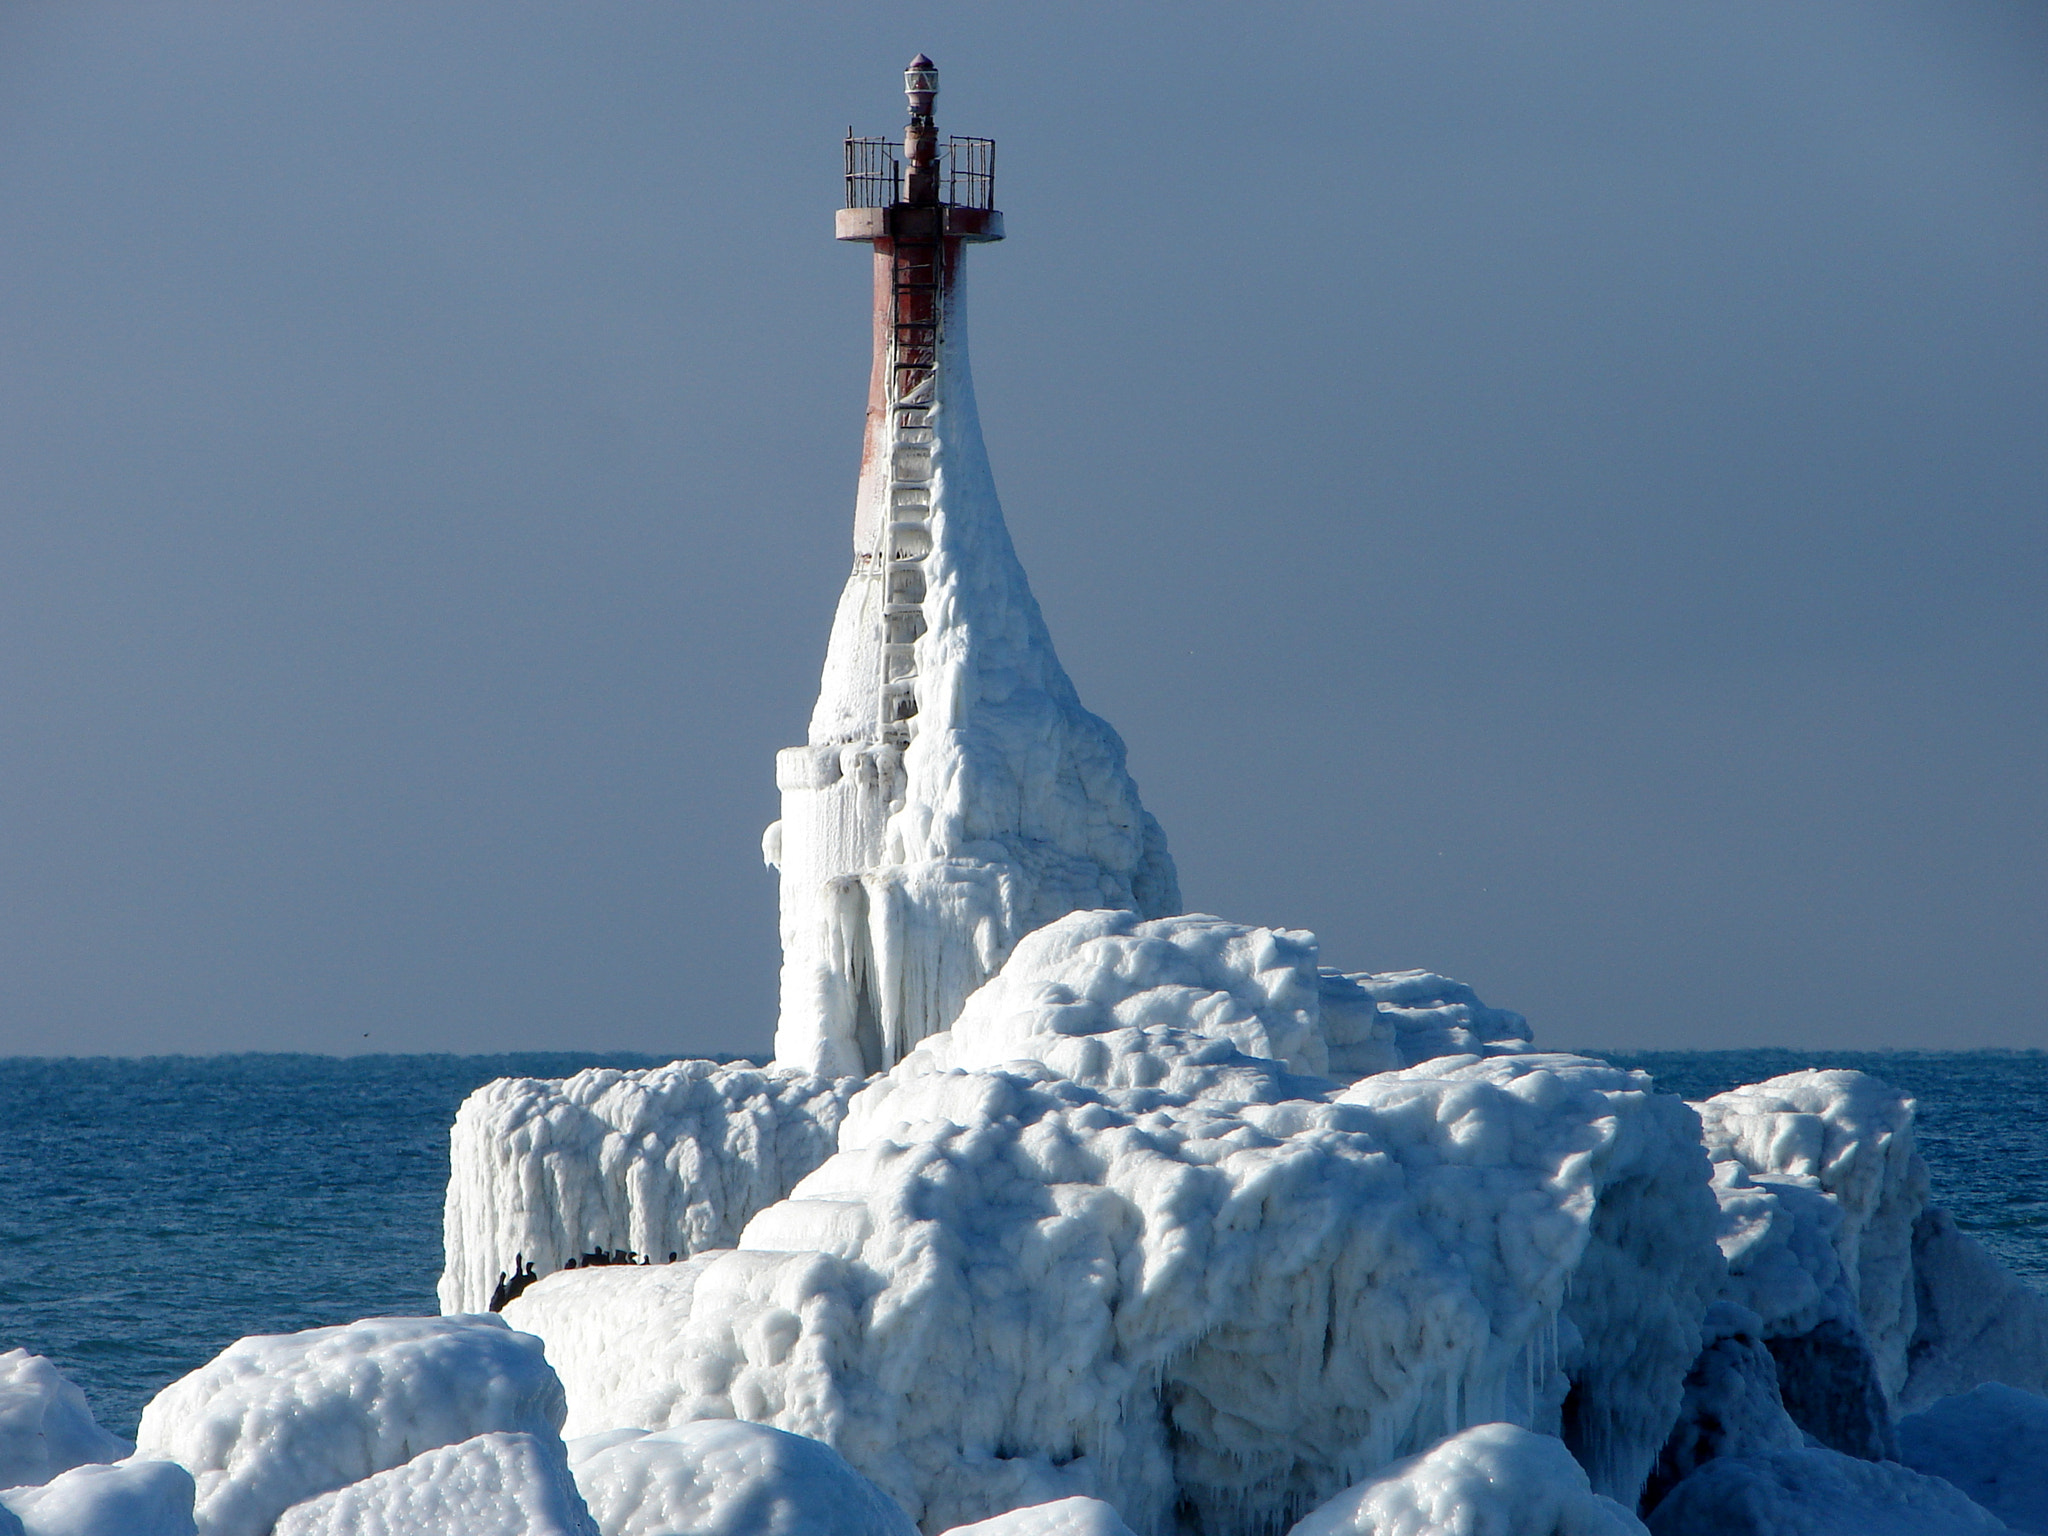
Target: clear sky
[(1555, 494)]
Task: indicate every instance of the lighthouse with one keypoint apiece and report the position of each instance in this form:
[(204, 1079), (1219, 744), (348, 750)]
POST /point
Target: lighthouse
[(952, 794)]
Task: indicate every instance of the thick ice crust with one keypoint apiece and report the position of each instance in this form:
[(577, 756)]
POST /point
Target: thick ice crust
[(274, 1420), (907, 876), (1850, 1137), (46, 1426), (1113, 1001), (1008, 1287), (491, 1485), (671, 1159), (1991, 1442), (130, 1498), (1976, 1321), (1062, 1517), (1816, 1493), (1495, 1478), (723, 1477), (1731, 1407)]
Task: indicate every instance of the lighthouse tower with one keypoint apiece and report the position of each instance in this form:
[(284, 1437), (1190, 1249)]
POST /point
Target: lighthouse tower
[(953, 794)]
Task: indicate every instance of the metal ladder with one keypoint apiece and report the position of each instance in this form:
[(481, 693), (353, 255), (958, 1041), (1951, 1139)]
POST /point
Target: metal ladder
[(915, 282)]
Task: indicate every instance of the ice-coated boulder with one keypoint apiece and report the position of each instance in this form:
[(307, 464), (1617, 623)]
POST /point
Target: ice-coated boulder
[(1977, 1322), (129, 1498), (1731, 1407), (1849, 1136), (1062, 1517), (1991, 1442), (1494, 1479), (275, 1420), (1008, 1287), (1816, 1492), (1091, 973), (1107, 999), (670, 1159), (493, 1485), (724, 1477), (46, 1426)]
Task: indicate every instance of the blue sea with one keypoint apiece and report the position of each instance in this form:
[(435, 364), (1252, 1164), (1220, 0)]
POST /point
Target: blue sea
[(152, 1211)]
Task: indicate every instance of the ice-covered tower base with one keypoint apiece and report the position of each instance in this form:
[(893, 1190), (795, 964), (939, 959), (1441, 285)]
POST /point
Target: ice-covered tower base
[(953, 794)]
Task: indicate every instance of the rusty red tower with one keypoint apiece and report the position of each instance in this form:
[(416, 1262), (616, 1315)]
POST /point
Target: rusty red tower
[(917, 208)]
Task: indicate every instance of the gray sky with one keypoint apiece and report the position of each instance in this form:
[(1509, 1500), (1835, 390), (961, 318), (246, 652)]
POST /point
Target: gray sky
[(1553, 494)]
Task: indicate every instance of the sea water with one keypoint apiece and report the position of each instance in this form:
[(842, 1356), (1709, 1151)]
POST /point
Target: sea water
[(152, 1211)]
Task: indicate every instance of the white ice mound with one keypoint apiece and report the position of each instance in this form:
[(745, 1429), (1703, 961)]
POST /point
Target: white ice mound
[(1112, 1000), (274, 1420), (1977, 1321), (1816, 1493), (131, 1498), (1008, 1288), (1099, 973), (1849, 1136), (1062, 1517), (491, 1485), (46, 1427), (1495, 1479), (672, 1159), (1992, 1443), (723, 1477)]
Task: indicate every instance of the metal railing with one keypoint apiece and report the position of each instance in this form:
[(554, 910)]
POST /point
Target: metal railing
[(874, 172), (971, 173)]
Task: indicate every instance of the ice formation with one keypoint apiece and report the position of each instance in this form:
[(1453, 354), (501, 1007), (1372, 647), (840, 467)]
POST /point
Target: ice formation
[(1816, 1493), (129, 1498), (1992, 1443), (1731, 1406), (953, 794), (1975, 1321), (672, 1159), (1850, 1137), (1076, 1516), (45, 1425), (726, 1477), (275, 1420), (1009, 1286), (1495, 1478), (492, 1485)]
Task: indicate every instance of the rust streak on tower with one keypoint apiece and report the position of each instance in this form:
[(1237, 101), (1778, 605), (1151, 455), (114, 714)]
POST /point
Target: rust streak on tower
[(916, 209)]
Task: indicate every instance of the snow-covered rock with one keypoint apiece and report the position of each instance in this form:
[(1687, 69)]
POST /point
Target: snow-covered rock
[(1816, 1493), (1731, 1405), (1977, 1321), (277, 1419), (1062, 1517), (1849, 1136), (1991, 1442), (909, 870), (129, 1498), (46, 1426), (1008, 1287), (1494, 1479), (670, 1159), (724, 1477), (492, 1485)]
